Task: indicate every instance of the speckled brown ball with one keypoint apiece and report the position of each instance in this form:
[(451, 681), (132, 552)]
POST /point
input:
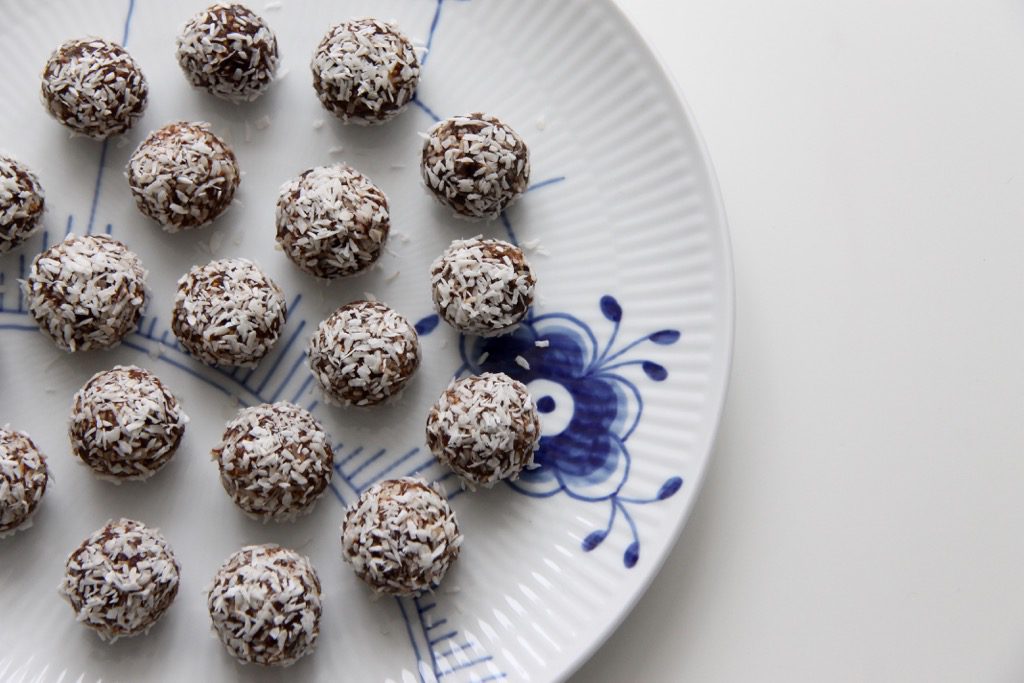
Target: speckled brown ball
[(229, 51), (365, 71), (332, 221), (125, 424), (21, 203), (265, 605), (23, 479), (94, 87), (86, 292), (228, 312), (275, 461), (121, 580), (401, 537), (363, 354), (183, 176), (475, 164)]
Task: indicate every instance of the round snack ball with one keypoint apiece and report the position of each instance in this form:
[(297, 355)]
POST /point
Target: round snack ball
[(485, 427), (482, 287), (275, 461), (183, 176), (332, 221), (365, 71), (363, 354), (400, 537), (121, 580), (228, 312), (265, 605), (229, 51), (475, 164), (94, 87), (21, 203), (125, 424), (23, 478), (86, 292)]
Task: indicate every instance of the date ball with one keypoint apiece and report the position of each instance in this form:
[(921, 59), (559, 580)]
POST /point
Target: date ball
[(86, 292), (475, 164), (21, 203), (125, 424), (183, 176), (228, 51), (363, 354), (275, 461), (121, 580), (23, 479), (94, 87), (228, 312), (485, 428), (265, 605), (365, 71), (482, 287), (400, 537), (332, 221)]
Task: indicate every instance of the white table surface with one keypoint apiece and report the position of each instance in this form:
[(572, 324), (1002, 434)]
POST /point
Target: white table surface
[(863, 516)]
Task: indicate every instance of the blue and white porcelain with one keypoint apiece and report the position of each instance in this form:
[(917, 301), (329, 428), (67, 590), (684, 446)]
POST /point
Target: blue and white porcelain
[(626, 350)]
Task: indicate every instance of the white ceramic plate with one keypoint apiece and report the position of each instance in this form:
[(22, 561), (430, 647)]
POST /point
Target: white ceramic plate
[(624, 228)]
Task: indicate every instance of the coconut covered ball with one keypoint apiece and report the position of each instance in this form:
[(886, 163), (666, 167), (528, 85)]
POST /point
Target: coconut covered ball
[(485, 427), (183, 176), (265, 605), (86, 292), (23, 479), (228, 312), (275, 461), (475, 164), (21, 203), (401, 537), (365, 71), (332, 221), (229, 51), (125, 424), (121, 580), (482, 287), (363, 354), (94, 87)]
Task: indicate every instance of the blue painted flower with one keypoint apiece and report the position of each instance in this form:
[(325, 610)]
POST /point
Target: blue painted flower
[(589, 408)]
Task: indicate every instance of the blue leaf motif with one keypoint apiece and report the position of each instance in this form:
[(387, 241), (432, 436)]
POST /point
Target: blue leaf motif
[(593, 539), (427, 325), (669, 488), (611, 308), (664, 337), (656, 372), (632, 554)]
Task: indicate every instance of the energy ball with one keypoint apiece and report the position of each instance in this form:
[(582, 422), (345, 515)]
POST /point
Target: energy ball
[(363, 354), (125, 424), (94, 87), (23, 478), (265, 605), (475, 164), (332, 221), (121, 580), (400, 537), (275, 461), (228, 312), (485, 428), (482, 287), (365, 71), (86, 292), (229, 51), (183, 176), (21, 203)]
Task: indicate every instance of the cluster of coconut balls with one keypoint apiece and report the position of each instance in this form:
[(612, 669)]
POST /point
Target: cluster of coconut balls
[(275, 460)]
